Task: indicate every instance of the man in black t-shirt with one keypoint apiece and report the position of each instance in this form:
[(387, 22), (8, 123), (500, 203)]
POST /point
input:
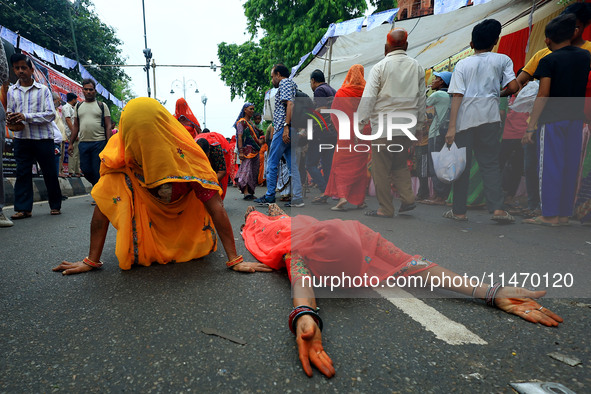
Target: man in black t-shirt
[(557, 119)]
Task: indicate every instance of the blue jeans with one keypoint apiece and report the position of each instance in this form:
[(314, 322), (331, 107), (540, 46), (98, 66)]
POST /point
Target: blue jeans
[(279, 148), (90, 162), (26, 153), (57, 156)]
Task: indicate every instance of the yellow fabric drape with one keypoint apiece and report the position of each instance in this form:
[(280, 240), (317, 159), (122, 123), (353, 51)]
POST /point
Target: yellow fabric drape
[(153, 148), (538, 36)]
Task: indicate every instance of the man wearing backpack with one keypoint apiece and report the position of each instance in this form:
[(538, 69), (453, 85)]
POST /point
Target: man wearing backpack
[(92, 123)]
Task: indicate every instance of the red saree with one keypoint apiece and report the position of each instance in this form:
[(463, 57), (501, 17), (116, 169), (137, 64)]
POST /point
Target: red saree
[(349, 177), (332, 247)]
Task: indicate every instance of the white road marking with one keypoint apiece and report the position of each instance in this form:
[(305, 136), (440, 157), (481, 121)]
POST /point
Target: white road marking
[(444, 329)]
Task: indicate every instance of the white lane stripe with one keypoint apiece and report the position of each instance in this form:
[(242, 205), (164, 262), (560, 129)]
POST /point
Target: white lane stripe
[(445, 329)]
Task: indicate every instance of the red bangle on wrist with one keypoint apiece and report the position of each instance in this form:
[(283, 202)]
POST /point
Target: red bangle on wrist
[(91, 263), (235, 261)]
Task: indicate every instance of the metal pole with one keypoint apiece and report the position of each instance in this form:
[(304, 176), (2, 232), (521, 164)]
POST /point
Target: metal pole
[(146, 49), (184, 93), (330, 60), (73, 34), (154, 75), (204, 115)]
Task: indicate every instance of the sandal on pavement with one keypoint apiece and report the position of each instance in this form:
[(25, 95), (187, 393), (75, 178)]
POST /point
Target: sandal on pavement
[(362, 205), (538, 221), (320, 200), (21, 215), (450, 215), (507, 218), (55, 212), (338, 207), (375, 214)]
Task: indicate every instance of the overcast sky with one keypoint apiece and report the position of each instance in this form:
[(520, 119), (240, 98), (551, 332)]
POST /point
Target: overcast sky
[(180, 32)]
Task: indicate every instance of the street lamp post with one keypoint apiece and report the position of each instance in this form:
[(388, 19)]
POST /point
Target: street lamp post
[(177, 84), (204, 101), (147, 51)]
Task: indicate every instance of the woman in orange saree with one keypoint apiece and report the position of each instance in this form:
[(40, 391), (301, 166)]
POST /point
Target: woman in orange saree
[(349, 178), (313, 251), (160, 193)]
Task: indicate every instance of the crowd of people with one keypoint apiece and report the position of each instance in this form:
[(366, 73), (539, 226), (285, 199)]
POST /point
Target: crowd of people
[(504, 141), (161, 179)]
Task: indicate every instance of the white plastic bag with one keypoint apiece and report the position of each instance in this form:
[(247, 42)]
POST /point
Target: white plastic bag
[(524, 102), (449, 163)]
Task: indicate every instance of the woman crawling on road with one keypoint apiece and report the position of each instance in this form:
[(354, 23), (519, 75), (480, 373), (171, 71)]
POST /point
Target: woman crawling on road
[(334, 248), (160, 193)]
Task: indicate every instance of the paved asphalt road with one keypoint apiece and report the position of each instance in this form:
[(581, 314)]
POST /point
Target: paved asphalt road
[(140, 330)]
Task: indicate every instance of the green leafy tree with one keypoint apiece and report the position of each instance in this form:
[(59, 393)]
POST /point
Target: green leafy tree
[(47, 23), (287, 31)]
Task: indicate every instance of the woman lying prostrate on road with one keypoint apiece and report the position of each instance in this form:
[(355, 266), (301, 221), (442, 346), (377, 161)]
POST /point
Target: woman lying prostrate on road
[(160, 193), (335, 248)]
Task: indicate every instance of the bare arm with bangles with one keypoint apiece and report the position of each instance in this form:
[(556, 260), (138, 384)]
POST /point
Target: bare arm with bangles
[(100, 224), (306, 324)]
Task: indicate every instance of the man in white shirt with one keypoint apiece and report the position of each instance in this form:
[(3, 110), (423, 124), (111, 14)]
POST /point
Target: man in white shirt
[(475, 120), (30, 106), (395, 84)]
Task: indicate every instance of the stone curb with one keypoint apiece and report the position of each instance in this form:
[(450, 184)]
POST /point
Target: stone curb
[(70, 187)]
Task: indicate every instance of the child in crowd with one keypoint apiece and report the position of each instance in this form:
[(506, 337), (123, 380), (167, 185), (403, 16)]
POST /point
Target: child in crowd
[(440, 101), (557, 120), (475, 118)]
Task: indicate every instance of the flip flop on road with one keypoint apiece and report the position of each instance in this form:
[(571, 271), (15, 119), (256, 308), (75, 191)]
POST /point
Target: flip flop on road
[(320, 200), (21, 215), (375, 214), (340, 208), (450, 215), (538, 221), (506, 218)]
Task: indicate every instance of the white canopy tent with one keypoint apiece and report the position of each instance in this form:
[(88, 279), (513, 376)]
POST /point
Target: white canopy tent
[(432, 39)]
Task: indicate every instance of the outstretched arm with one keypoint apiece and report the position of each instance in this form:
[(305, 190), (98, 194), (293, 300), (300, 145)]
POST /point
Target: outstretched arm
[(99, 225), (224, 228), (514, 300), (307, 331)]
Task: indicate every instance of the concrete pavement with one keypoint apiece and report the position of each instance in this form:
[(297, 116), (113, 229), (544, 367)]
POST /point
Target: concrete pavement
[(141, 330), (70, 187)]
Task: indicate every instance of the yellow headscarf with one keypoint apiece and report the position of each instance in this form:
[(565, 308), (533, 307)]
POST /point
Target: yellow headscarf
[(153, 148), (156, 147)]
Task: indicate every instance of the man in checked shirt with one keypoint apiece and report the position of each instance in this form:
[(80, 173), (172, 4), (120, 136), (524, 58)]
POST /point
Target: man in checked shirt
[(30, 104)]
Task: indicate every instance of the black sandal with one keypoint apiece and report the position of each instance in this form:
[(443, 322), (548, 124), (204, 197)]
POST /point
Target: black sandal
[(375, 214)]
